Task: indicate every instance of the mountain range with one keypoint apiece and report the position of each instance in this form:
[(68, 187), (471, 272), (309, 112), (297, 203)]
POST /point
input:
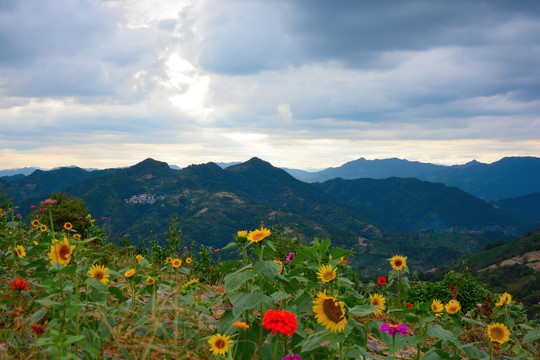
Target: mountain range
[(431, 221)]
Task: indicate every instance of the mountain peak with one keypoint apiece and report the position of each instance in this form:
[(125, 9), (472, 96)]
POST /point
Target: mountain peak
[(150, 165)]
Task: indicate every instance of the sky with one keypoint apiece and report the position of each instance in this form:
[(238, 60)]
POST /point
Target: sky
[(305, 84)]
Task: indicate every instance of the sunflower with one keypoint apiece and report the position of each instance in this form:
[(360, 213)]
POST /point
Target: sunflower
[(43, 228), (280, 263), (61, 252), (241, 234), (68, 226), (99, 272), (176, 262), (378, 299), (437, 307), (35, 223), (150, 281), (326, 273), (129, 273), (398, 262), (220, 344), (452, 307), (21, 253), (498, 332), (505, 298), (139, 257), (256, 236), (188, 260), (189, 283), (330, 312), (77, 237), (169, 260)]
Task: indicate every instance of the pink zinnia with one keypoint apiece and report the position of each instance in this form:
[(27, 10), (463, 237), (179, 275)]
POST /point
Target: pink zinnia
[(394, 328)]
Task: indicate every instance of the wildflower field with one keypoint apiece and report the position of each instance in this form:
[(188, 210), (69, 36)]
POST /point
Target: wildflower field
[(69, 294)]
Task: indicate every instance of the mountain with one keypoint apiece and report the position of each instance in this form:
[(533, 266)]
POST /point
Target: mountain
[(18, 171), (507, 178), (213, 203), (416, 205), (526, 207), (44, 182)]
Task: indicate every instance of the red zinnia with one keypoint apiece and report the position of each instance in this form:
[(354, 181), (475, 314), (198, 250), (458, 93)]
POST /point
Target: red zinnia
[(452, 288), (381, 280), (19, 284), (283, 322), (409, 305), (38, 329)]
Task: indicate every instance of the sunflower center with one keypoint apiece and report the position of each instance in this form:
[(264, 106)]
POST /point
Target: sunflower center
[(398, 263), (220, 344), (332, 310), (328, 275), (64, 251), (375, 301), (98, 275), (496, 334)]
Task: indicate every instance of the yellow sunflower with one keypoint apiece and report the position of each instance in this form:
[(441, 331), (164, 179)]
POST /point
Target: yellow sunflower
[(99, 272), (241, 233), (219, 344), (77, 237), (129, 273), (452, 307), (505, 298), (326, 273), (398, 262), (139, 257), (35, 223), (256, 236), (378, 299), (330, 312), (498, 332), (188, 260), (280, 263), (68, 226), (21, 253), (61, 252), (43, 228), (169, 260), (176, 262), (189, 283), (437, 307), (150, 280)]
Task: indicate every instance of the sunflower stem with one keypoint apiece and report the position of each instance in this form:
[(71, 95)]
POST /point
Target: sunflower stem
[(491, 350)]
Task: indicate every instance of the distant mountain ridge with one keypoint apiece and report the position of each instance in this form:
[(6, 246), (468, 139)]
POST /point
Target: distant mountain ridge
[(507, 178)]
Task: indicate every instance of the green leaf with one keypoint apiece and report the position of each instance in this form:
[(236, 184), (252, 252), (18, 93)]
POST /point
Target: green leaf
[(267, 269), (124, 352), (48, 302), (314, 340), (203, 309), (440, 333), (243, 301), (363, 310), (38, 315), (337, 253), (531, 335), (235, 280), (472, 351), (230, 245)]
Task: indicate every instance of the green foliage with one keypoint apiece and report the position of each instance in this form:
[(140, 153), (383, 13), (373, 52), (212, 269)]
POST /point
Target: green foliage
[(468, 290), (68, 209)]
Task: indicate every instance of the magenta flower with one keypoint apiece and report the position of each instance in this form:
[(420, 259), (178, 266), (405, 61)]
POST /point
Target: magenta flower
[(394, 328), (292, 357), (33, 207), (104, 218), (185, 248), (80, 217)]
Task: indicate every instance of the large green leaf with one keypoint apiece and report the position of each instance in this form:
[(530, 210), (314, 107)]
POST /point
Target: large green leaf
[(267, 269), (363, 310), (246, 301), (235, 280)]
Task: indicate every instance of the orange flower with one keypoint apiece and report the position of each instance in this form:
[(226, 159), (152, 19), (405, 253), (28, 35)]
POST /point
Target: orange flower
[(241, 324), (19, 284), (68, 226)]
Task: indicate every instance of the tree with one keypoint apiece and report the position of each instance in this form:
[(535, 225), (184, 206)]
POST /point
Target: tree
[(68, 209)]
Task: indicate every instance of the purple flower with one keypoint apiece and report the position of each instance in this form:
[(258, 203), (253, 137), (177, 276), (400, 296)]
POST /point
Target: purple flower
[(19, 215), (185, 248), (292, 357), (80, 217), (394, 328), (104, 218), (33, 207)]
